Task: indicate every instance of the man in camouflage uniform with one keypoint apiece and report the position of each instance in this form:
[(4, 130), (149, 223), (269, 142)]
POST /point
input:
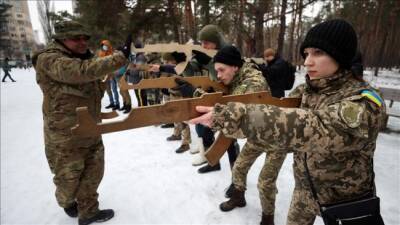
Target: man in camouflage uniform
[(334, 132), (70, 77)]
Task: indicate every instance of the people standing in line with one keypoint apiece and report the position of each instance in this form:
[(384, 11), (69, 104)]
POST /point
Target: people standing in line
[(110, 82), (332, 135), (7, 69), (279, 73), (70, 77)]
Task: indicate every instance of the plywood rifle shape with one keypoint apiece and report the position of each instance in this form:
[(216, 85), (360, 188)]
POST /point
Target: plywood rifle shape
[(175, 111), (203, 82), (174, 47)]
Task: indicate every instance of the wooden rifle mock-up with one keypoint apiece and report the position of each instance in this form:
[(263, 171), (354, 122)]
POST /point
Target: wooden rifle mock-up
[(175, 111), (203, 82)]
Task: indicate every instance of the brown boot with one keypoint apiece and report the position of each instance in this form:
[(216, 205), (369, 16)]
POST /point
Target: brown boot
[(182, 148), (174, 138), (267, 220), (237, 200)]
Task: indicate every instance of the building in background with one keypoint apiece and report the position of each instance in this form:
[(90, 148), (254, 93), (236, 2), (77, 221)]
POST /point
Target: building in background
[(16, 37)]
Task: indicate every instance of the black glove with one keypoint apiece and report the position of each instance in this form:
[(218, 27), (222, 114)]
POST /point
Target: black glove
[(184, 87), (126, 48), (164, 91), (179, 57), (210, 90), (202, 58)]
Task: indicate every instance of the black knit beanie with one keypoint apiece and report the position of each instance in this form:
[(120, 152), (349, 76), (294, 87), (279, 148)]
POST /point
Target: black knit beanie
[(335, 37), (229, 55)]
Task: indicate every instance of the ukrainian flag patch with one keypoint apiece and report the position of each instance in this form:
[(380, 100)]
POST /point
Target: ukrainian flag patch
[(372, 96)]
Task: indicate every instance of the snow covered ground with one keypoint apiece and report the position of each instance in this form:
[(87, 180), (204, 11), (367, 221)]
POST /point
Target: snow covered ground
[(145, 181)]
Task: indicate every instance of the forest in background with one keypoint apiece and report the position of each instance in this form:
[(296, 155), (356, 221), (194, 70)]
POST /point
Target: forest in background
[(251, 25)]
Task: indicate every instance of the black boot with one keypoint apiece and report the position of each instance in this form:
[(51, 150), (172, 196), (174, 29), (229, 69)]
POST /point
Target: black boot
[(127, 109), (111, 105), (116, 107), (237, 200), (229, 191), (207, 168), (167, 125), (72, 210), (267, 220), (100, 216), (182, 148)]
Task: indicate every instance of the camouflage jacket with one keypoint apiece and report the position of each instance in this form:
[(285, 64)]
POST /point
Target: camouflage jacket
[(68, 82), (334, 132), (249, 79)]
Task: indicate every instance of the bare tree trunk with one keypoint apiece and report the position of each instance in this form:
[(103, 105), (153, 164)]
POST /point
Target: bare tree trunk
[(298, 32), (189, 21), (172, 9), (239, 27), (282, 28), (378, 49), (291, 35), (259, 27)]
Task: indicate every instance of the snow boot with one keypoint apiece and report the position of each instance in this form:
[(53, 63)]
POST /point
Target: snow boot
[(229, 191), (72, 210), (174, 138), (200, 158), (207, 168), (167, 125), (182, 148), (237, 200), (110, 106), (267, 220), (197, 143), (100, 216), (127, 109)]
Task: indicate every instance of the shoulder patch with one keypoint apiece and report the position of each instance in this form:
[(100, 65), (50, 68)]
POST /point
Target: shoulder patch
[(351, 113), (372, 96)]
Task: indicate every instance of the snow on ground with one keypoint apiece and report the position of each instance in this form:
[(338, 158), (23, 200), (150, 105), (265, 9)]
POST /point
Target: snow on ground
[(145, 181)]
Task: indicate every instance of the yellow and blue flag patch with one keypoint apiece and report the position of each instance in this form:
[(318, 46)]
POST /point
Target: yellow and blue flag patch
[(372, 96)]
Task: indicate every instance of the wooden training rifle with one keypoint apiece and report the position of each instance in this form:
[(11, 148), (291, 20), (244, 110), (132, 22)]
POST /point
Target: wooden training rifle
[(175, 111), (169, 82)]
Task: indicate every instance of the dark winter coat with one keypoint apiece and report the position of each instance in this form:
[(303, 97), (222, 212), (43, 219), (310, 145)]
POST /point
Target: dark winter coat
[(274, 73)]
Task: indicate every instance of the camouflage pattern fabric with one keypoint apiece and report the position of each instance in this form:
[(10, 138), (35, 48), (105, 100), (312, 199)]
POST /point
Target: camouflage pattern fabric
[(334, 131), (68, 82), (251, 150), (181, 128)]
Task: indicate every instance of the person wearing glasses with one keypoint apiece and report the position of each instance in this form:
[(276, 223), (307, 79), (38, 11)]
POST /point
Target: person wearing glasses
[(69, 76)]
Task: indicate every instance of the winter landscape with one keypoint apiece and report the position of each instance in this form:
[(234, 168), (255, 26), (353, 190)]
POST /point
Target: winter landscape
[(145, 181)]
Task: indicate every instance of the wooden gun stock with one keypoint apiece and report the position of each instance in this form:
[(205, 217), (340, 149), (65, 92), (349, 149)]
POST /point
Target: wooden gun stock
[(169, 82), (169, 112)]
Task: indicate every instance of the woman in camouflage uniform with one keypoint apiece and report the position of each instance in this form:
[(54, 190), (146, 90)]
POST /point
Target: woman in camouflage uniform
[(333, 133)]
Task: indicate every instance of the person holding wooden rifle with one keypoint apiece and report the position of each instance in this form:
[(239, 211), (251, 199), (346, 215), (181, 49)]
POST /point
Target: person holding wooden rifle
[(332, 135)]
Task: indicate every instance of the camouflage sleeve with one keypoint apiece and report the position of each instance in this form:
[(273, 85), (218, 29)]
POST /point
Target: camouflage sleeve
[(253, 82), (335, 128), (297, 92), (74, 70)]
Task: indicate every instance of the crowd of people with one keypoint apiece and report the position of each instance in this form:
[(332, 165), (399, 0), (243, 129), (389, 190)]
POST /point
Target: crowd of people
[(332, 135)]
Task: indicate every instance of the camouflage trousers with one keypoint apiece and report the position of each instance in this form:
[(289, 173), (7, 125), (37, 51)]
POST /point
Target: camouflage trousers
[(184, 130), (268, 175), (181, 128), (78, 168), (303, 209)]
